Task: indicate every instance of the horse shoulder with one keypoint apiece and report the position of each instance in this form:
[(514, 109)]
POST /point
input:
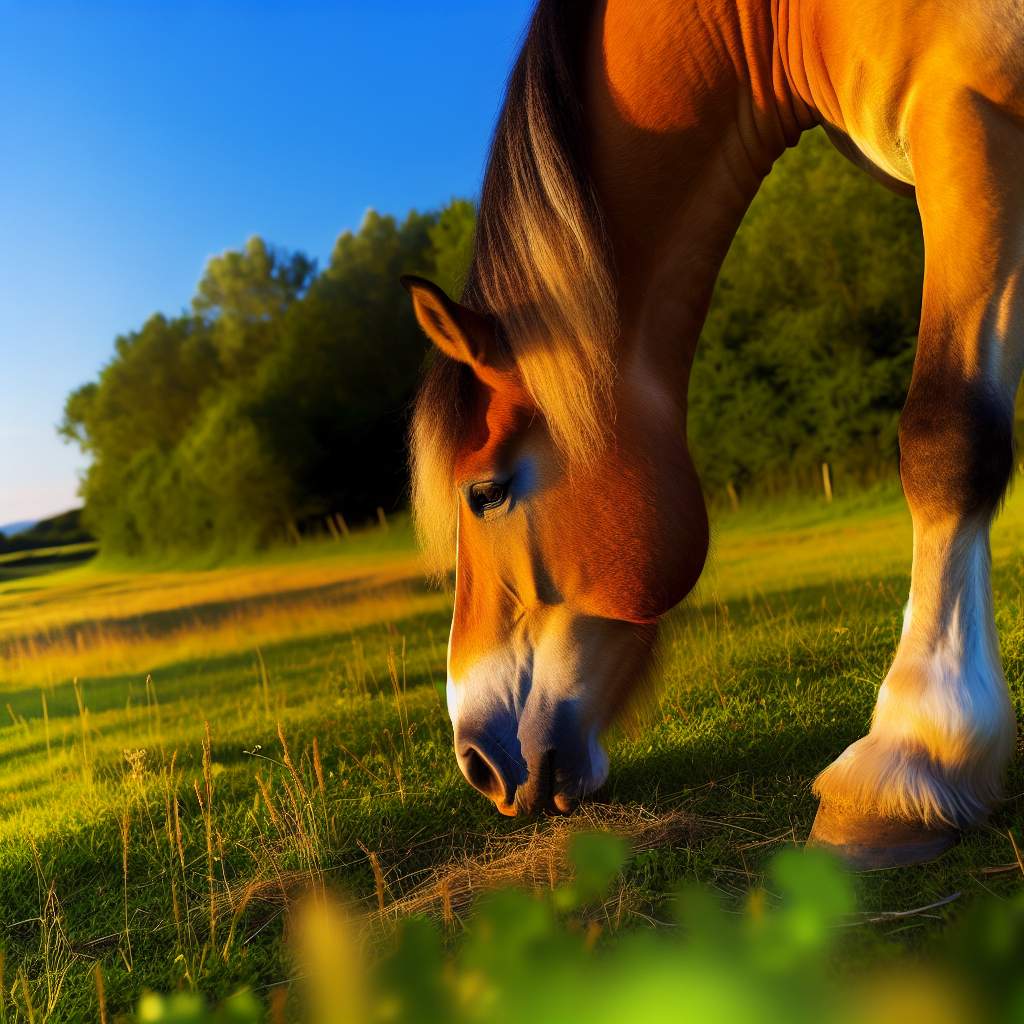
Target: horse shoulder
[(873, 64)]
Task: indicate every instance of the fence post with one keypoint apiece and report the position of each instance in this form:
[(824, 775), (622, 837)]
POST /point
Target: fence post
[(826, 481), (734, 498)]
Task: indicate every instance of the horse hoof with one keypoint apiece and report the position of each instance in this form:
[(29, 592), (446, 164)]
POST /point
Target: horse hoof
[(866, 842)]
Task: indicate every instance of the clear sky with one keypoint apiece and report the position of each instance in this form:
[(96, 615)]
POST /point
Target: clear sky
[(138, 139)]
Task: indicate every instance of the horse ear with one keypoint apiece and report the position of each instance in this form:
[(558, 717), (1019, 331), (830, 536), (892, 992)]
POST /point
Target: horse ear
[(460, 333)]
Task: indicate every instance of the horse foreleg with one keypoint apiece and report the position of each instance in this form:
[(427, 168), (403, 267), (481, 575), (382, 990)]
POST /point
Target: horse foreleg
[(943, 727)]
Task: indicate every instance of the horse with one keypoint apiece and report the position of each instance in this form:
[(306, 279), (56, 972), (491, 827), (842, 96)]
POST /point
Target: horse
[(548, 440)]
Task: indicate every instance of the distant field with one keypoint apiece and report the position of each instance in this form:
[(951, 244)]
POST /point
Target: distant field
[(183, 751)]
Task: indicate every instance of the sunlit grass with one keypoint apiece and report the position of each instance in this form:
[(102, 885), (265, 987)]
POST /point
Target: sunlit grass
[(184, 753), (100, 621)]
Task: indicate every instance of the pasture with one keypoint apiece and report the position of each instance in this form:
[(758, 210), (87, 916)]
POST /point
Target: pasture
[(186, 751)]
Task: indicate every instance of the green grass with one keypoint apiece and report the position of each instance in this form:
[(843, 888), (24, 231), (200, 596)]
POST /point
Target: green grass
[(126, 842), (396, 537), (15, 565)]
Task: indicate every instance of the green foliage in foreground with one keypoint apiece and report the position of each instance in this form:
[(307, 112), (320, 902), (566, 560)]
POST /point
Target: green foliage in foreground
[(531, 959)]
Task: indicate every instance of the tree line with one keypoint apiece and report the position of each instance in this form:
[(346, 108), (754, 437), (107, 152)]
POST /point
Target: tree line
[(281, 396), (278, 399), (57, 531)]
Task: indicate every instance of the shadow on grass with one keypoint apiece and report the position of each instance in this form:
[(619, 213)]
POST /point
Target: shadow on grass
[(210, 614), (53, 559), (325, 657)]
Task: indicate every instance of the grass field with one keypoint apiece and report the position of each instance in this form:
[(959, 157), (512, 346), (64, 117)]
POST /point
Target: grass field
[(184, 751)]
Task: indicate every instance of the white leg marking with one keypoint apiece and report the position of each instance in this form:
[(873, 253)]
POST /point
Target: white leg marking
[(943, 727)]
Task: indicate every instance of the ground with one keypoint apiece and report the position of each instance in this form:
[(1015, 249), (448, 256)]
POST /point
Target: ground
[(183, 751)]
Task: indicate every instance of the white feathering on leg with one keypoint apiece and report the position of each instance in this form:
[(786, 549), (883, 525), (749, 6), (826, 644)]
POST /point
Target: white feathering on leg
[(943, 727)]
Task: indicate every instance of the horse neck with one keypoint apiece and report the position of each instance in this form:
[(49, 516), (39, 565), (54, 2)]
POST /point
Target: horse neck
[(689, 105)]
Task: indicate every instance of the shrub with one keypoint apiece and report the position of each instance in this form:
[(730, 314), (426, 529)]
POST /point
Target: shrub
[(529, 960)]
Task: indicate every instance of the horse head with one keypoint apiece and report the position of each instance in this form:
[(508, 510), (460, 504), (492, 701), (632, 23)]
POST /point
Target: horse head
[(563, 565)]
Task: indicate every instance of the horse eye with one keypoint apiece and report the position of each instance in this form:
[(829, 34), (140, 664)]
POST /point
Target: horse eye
[(487, 495)]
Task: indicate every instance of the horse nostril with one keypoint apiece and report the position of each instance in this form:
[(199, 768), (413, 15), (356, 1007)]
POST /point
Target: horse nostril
[(482, 774), (537, 793)]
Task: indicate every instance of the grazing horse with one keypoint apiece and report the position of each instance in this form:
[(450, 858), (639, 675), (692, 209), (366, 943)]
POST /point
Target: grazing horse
[(549, 455)]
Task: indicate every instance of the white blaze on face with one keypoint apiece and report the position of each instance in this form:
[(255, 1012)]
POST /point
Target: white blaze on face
[(452, 693), (516, 691), (488, 684)]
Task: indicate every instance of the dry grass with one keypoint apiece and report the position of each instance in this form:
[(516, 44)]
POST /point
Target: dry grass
[(100, 624), (87, 593), (534, 858)]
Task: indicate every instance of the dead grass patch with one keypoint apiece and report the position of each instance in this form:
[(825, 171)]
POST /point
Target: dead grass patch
[(535, 859)]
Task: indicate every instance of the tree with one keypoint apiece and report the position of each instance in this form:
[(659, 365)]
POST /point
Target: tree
[(452, 241), (333, 400), (242, 295), (283, 396), (807, 349)]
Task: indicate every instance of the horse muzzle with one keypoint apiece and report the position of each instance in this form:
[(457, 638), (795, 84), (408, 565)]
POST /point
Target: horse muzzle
[(541, 765)]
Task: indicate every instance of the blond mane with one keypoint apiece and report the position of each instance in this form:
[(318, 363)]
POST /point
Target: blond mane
[(541, 267)]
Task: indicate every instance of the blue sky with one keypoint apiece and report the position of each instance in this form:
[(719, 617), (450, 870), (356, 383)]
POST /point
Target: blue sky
[(137, 140)]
